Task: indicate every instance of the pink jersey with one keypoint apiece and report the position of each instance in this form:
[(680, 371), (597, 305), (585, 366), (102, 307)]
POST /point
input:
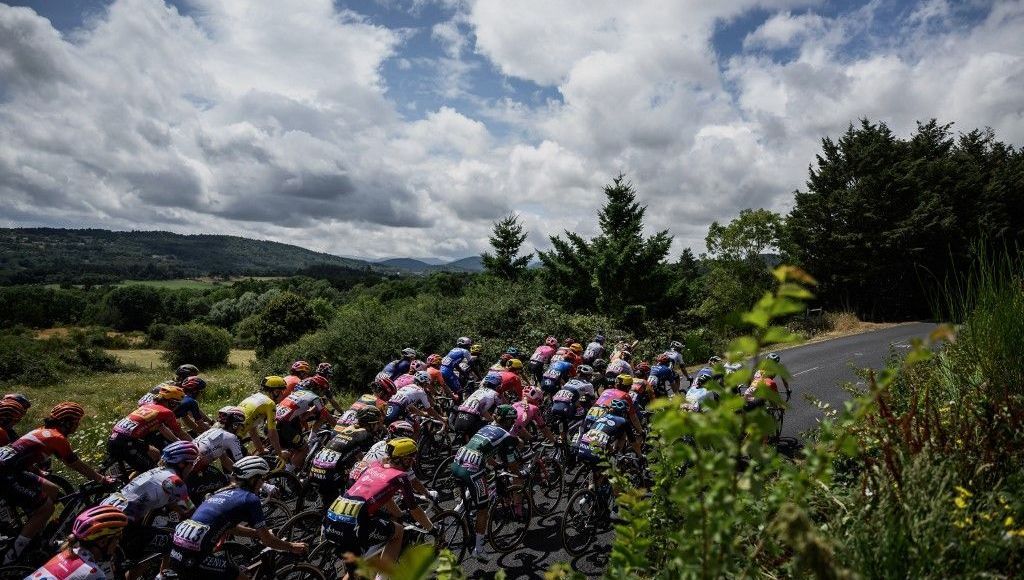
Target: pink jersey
[(526, 413), (76, 564), (610, 395), (404, 381), (380, 483), (543, 353)]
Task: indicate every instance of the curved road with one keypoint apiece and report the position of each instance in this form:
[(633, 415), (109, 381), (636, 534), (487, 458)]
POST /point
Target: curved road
[(819, 370)]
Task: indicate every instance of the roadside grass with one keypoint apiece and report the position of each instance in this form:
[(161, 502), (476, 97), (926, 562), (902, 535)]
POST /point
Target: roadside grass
[(149, 358)]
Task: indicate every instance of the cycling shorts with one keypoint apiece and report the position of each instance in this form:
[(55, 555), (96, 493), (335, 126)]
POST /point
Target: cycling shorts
[(23, 489), (467, 423), (191, 565), (133, 452), (360, 535), (480, 484), (290, 433)]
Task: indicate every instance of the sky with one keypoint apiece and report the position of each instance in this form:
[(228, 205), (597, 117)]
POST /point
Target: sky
[(380, 128)]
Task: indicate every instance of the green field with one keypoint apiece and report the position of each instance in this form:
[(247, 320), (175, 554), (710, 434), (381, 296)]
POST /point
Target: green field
[(185, 283)]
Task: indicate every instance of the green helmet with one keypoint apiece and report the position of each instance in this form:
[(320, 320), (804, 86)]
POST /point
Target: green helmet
[(505, 413)]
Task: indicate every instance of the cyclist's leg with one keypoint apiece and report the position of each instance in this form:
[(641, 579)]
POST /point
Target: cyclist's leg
[(28, 491)]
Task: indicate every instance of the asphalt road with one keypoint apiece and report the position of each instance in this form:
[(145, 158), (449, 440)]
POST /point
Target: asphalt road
[(818, 370)]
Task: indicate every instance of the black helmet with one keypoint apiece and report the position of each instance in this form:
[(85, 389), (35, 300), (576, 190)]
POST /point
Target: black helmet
[(185, 371)]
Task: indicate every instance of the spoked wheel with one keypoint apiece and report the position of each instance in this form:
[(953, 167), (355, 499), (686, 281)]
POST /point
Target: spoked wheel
[(549, 484), (327, 557), (578, 522), (276, 512), (509, 519), (451, 532), (309, 497), (289, 488), (443, 482), (299, 572), (303, 527)]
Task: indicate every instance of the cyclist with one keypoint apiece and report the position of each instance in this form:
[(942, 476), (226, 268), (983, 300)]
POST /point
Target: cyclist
[(368, 514), (219, 442), (180, 374), (662, 377), (130, 440), (595, 350), (528, 413), (261, 408), (159, 488), (599, 380), (698, 396), (379, 451), (450, 363), (558, 372), (604, 439), (477, 408), (572, 400), (374, 399), (709, 369), (299, 370), (399, 366), (188, 410), (438, 386), (332, 461), (300, 412), (619, 366), (321, 385), (642, 391), (195, 539), (89, 551), (775, 358), (11, 412), (474, 461), (21, 464), (511, 387), (412, 400), (675, 354), (541, 357), (617, 392)]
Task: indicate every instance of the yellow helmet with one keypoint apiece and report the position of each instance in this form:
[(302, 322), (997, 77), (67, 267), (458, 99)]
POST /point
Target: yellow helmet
[(576, 348), (171, 393), (401, 447), (624, 380), (514, 364), (273, 382)]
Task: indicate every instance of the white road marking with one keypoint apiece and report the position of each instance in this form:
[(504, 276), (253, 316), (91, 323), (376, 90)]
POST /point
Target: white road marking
[(901, 345), (806, 371)]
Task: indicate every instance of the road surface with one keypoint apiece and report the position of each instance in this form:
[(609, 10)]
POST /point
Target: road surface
[(818, 369)]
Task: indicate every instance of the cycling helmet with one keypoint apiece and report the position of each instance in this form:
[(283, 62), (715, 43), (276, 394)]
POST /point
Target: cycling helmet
[(599, 339), (512, 351), (533, 395), (99, 522), (170, 393), (514, 364), (774, 357), (249, 467), (301, 366), (492, 380), (11, 411), (643, 369), (325, 369), (714, 359), (273, 383), (67, 411), (585, 370), (504, 358), (408, 353), (676, 345), (618, 407), (576, 348), (368, 416), (193, 385), (476, 349), (315, 383), (663, 359), (180, 453), (625, 355), (21, 399), (624, 380), (568, 341), (701, 380), (385, 384), (551, 341), (600, 364), (464, 342), (230, 414), (416, 366), (505, 413), (185, 371), (401, 428), (434, 360), (401, 447), (421, 378)]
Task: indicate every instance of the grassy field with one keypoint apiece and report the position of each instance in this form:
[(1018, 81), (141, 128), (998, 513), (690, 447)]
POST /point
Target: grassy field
[(189, 283), (149, 358)]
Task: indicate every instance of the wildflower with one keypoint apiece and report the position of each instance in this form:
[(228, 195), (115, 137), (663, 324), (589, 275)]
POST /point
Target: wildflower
[(1008, 522), (964, 492), (960, 502)]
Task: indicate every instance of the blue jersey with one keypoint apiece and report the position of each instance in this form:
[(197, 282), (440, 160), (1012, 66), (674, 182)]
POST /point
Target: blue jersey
[(706, 371), (598, 439), (188, 407), (562, 367), (451, 361), (397, 368), (215, 516), (664, 374)]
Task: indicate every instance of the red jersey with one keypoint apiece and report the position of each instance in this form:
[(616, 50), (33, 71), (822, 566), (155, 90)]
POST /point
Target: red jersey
[(33, 448), (378, 484), (511, 385), (145, 420), (436, 378), (610, 395)]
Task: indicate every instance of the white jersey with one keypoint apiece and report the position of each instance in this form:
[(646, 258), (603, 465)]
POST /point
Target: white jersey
[(411, 395), (215, 442), (483, 400), (582, 387), (152, 490), (76, 564), (677, 360), (620, 367)]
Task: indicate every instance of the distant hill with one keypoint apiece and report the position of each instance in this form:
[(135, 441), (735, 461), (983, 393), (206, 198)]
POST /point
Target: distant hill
[(470, 264), (419, 266), (29, 255), (407, 264)]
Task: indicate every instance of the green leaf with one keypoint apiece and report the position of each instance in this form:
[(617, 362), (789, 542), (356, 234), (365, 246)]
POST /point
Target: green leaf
[(794, 291), (777, 334), (757, 317), (743, 346)]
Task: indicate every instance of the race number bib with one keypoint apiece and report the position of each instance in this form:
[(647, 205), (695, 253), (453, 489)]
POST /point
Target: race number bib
[(189, 535), (446, 361), (345, 510), (597, 412), (469, 458), (596, 439), (563, 396), (552, 374), (125, 426), (326, 459)]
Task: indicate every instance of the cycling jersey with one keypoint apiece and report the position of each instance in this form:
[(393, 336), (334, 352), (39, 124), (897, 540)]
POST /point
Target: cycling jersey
[(490, 441), (259, 407), (610, 395), (597, 441), (436, 378), (663, 376), (218, 514), (584, 388), (291, 381), (594, 351), (152, 490), (7, 435), (677, 360), (411, 395), (483, 400), (215, 442), (365, 400), (331, 463), (300, 406), (143, 421), (378, 452), (511, 385), (189, 407), (30, 450), (405, 380), (526, 413), (378, 484), (697, 397), (74, 564), (543, 354), (620, 367), (449, 364), (397, 368)]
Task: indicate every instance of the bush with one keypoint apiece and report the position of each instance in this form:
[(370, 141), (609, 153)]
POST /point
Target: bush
[(285, 318), (157, 333), (198, 344), (24, 359)]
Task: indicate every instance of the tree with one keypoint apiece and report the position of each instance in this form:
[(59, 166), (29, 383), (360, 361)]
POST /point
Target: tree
[(753, 233), (283, 320), (616, 269), (507, 239)]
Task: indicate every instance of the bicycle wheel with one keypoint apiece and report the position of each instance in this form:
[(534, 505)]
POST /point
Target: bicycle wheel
[(578, 528), (309, 497), (509, 519), (303, 527), (289, 488), (299, 572), (451, 532), (276, 512), (443, 482), (327, 556), (549, 485)]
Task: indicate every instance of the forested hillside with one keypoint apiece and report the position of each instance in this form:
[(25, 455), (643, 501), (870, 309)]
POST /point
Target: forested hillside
[(31, 255)]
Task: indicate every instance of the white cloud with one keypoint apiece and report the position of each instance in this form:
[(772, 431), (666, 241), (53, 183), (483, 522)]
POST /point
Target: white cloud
[(783, 29)]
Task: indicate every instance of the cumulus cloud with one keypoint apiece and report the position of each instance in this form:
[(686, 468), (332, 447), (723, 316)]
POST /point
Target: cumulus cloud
[(274, 120)]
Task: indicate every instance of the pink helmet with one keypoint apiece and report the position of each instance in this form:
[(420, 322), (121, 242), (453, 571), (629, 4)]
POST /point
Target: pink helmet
[(551, 341), (533, 395)]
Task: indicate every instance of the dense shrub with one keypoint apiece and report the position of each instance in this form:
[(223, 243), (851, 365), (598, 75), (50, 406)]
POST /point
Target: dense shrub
[(198, 344), (285, 318), (24, 359)]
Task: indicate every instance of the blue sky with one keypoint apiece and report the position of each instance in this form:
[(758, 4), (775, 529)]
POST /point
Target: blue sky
[(390, 127)]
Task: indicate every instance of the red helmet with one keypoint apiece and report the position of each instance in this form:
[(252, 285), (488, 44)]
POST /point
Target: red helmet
[(301, 366), (193, 384), (434, 360), (385, 384), (67, 411), (11, 411), (643, 369), (97, 522), (663, 359)]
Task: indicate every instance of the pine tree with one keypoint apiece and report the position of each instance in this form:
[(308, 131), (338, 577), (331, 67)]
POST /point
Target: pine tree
[(507, 239)]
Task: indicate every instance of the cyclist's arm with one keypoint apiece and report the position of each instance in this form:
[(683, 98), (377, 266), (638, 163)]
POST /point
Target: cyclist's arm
[(267, 538), (546, 432), (226, 463), (169, 434), (86, 471)]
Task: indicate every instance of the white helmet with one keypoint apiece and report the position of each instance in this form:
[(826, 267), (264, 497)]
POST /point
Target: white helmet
[(249, 467)]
